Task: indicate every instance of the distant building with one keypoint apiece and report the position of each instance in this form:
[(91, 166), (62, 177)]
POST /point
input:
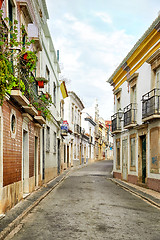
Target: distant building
[(88, 124), (73, 107), (109, 148)]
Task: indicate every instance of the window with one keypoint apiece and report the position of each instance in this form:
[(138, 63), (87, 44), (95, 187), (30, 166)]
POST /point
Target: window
[(48, 139), (72, 114), (133, 160), (132, 83), (118, 152), (133, 94), (158, 78), (10, 11), (117, 94), (118, 103), (75, 117), (64, 153), (74, 151), (13, 123), (62, 109), (54, 93), (54, 142), (23, 37), (48, 78)]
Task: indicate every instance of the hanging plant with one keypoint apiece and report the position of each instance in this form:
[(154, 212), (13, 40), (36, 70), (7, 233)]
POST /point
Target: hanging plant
[(7, 79), (29, 60)]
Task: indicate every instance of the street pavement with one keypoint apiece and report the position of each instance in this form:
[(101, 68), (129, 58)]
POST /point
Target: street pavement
[(85, 203)]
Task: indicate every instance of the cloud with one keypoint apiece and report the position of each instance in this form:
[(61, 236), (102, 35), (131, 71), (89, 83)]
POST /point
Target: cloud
[(104, 17), (90, 56)]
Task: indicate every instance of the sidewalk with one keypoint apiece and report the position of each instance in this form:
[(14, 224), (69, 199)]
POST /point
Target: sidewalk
[(14, 216), (149, 195)]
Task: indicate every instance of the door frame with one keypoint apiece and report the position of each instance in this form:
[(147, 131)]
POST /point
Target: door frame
[(142, 133), (25, 162), (36, 160), (126, 160)]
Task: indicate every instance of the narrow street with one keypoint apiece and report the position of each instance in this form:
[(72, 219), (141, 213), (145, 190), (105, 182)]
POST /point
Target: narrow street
[(88, 205)]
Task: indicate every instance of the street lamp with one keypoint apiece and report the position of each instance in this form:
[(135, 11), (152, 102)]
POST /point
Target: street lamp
[(120, 113)]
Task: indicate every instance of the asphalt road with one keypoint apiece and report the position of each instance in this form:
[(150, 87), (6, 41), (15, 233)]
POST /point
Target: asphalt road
[(87, 205)]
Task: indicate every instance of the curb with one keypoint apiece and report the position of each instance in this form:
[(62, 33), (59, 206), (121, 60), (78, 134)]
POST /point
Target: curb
[(134, 192), (11, 226), (15, 222)]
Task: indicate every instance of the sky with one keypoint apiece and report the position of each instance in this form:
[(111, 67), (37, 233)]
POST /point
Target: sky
[(93, 37)]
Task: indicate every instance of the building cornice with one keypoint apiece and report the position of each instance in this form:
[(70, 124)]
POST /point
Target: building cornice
[(77, 98), (143, 49)]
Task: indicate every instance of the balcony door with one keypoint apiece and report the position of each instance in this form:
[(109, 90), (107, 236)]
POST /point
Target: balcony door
[(134, 94), (157, 92), (143, 138), (25, 162), (125, 158), (158, 78)]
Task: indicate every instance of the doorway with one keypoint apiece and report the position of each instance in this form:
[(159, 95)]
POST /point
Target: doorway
[(67, 156), (25, 162), (71, 155), (43, 156), (59, 159), (143, 139), (36, 160), (80, 154), (125, 159), (85, 154)]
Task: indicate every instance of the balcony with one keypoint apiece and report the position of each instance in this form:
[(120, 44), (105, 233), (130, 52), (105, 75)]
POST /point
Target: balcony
[(116, 124), (77, 129), (151, 105), (130, 116), (30, 94)]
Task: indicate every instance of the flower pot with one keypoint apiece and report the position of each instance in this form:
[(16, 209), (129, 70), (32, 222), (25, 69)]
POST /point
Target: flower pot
[(1, 1), (15, 88), (47, 96), (39, 112), (41, 84), (25, 56)]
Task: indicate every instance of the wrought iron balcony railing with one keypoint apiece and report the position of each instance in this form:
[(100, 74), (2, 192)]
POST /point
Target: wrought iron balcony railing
[(116, 123), (130, 114), (151, 103), (31, 89)]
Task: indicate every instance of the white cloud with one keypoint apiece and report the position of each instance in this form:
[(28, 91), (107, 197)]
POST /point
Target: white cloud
[(89, 57), (104, 17), (69, 17)]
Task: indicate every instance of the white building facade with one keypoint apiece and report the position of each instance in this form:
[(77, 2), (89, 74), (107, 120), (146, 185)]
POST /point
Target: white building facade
[(88, 124), (73, 142), (136, 122), (48, 68)]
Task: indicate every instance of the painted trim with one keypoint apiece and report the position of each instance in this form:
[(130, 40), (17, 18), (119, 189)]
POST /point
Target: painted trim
[(140, 63)]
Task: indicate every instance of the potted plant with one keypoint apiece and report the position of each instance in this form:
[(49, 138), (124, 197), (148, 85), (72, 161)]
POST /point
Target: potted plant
[(29, 60), (11, 62), (1, 1), (41, 81)]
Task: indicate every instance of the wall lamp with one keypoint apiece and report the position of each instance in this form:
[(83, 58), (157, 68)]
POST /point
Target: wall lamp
[(120, 113)]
